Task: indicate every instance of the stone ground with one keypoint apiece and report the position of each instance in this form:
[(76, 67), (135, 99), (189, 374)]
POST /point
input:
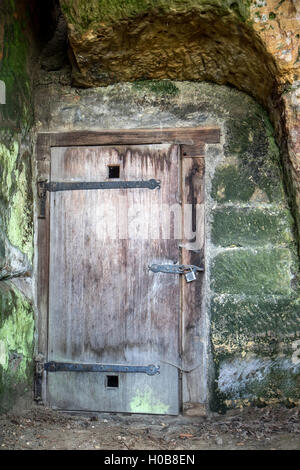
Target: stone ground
[(270, 428)]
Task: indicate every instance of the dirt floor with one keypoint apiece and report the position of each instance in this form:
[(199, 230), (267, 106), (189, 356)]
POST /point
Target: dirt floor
[(253, 428)]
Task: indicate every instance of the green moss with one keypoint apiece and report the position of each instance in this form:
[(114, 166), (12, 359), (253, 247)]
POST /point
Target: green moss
[(16, 322), (88, 12), (265, 326), (16, 197), (230, 184), (8, 158), (251, 227), (16, 344), (19, 229), (250, 134), (13, 71), (2, 250), (160, 87), (250, 141), (258, 272), (240, 182)]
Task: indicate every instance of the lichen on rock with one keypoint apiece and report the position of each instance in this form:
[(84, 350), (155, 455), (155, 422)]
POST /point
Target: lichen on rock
[(16, 344), (16, 194)]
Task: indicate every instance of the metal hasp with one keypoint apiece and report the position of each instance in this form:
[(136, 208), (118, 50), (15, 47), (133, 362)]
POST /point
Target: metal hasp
[(77, 367), (52, 186), (174, 268), (38, 382)]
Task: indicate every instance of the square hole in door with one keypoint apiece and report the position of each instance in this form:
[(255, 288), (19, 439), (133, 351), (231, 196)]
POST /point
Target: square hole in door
[(112, 381), (113, 171)]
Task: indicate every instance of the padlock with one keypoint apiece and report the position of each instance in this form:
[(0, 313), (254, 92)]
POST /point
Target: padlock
[(190, 276)]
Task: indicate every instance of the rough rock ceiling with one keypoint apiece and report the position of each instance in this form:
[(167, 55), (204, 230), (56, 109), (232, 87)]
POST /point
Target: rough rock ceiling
[(179, 39)]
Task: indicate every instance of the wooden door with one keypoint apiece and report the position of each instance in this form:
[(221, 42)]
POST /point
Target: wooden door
[(105, 306)]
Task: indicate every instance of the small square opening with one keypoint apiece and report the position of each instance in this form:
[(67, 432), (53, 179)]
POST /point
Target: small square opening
[(112, 381), (114, 171)]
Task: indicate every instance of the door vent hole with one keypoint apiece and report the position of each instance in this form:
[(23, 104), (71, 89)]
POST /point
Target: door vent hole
[(114, 171), (112, 381)]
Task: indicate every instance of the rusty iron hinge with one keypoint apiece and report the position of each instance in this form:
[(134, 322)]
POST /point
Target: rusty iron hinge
[(54, 366), (44, 186)]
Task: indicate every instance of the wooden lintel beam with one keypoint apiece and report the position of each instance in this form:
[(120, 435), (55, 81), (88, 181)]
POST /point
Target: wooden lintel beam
[(186, 136)]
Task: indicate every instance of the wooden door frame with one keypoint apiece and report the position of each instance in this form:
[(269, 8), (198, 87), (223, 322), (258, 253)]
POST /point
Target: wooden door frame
[(192, 141)]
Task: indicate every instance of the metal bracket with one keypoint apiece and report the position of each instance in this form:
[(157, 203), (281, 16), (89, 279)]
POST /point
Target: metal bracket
[(79, 367), (52, 186), (42, 190), (38, 382), (174, 268)]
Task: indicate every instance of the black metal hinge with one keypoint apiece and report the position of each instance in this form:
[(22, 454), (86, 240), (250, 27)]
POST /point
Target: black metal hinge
[(44, 186), (80, 367)]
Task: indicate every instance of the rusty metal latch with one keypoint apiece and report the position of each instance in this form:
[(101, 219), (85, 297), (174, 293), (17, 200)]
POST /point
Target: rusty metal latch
[(175, 268), (38, 379), (81, 367), (53, 186), (189, 270)]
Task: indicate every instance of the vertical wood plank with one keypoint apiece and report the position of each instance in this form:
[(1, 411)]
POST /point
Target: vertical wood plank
[(42, 275), (192, 293)]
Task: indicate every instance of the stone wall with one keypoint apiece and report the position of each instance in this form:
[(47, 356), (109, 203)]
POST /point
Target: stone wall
[(251, 249), (16, 209)]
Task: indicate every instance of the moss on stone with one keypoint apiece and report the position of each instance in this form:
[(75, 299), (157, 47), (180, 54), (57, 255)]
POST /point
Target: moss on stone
[(160, 87), (261, 325), (252, 227), (16, 344), (247, 135), (20, 224), (16, 199), (14, 73), (238, 182), (88, 12), (8, 157), (253, 272), (250, 135), (250, 142), (230, 184)]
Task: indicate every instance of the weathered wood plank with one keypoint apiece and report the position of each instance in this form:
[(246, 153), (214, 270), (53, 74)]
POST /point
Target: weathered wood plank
[(196, 150), (43, 169), (192, 253), (42, 277), (134, 136), (43, 146)]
